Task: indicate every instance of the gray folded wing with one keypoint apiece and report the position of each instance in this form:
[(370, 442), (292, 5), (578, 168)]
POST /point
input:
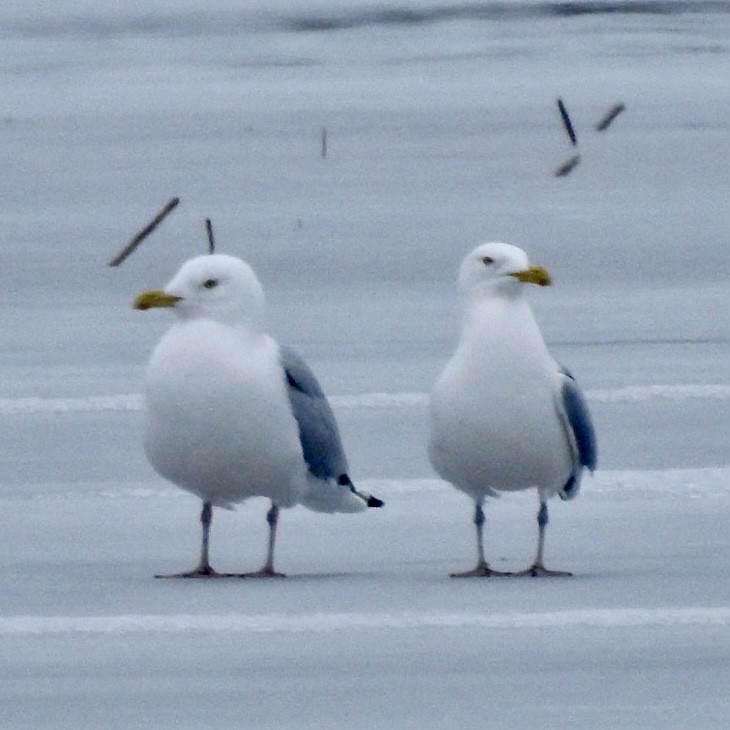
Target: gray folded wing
[(574, 413), (318, 432)]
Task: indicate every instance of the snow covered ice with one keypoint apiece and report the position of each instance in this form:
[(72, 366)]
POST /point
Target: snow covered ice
[(442, 132)]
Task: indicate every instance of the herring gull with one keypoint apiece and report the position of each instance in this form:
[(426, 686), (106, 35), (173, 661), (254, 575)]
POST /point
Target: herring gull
[(504, 415), (230, 414)]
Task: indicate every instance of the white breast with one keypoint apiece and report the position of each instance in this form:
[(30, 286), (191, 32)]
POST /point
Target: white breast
[(218, 421), (493, 417)]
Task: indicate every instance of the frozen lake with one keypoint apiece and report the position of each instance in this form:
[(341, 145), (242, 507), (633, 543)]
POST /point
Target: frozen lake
[(442, 132)]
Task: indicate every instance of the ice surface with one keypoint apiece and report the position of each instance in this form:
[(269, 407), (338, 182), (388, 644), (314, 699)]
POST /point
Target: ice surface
[(442, 132)]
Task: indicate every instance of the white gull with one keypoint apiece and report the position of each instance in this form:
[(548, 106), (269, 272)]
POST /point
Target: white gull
[(504, 415), (230, 414)]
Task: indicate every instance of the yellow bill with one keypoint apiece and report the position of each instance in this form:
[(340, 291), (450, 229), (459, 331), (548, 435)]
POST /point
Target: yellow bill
[(154, 298), (534, 275)]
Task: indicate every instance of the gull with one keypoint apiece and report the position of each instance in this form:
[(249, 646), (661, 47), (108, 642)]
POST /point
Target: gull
[(230, 414), (505, 415)]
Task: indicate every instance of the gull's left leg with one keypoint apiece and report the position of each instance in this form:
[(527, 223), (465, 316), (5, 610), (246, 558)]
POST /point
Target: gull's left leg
[(537, 569), (482, 569), (272, 518), (203, 570)]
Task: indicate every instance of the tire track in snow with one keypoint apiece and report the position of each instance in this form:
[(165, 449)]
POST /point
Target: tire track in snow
[(134, 401), (698, 483), (318, 623)]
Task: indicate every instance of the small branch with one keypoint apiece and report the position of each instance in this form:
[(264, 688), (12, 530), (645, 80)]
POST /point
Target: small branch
[(324, 143), (567, 123), (568, 166), (211, 239), (609, 116), (132, 245)]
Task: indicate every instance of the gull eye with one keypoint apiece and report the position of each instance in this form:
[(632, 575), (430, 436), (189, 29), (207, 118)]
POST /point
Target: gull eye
[(487, 260), (210, 283)]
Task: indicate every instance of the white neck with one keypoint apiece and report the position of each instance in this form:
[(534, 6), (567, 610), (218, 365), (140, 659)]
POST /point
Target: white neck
[(491, 324)]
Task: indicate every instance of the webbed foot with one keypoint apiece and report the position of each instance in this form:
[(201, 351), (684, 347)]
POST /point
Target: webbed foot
[(539, 571), (263, 573), (200, 572), (481, 571)]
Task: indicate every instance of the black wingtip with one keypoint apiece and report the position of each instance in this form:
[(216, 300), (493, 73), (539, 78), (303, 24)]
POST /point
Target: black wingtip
[(344, 481)]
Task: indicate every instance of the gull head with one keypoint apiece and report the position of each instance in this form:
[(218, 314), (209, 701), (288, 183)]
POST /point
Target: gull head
[(498, 269), (219, 287)]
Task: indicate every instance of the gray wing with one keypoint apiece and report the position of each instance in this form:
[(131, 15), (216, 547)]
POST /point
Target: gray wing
[(576, 418), (318, 432), (321, 442)]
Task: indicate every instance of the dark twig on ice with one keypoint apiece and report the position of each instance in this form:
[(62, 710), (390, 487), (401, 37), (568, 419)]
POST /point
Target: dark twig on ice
[(568, 166), (324, 143), (609, 116), (132, 245), (567, 123), (211, 239)]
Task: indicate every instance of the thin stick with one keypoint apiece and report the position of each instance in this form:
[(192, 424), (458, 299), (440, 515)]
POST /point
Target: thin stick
[(324, 142), (567, 123), (211, 239), (609, 116), (568, 166), (132, 245)]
